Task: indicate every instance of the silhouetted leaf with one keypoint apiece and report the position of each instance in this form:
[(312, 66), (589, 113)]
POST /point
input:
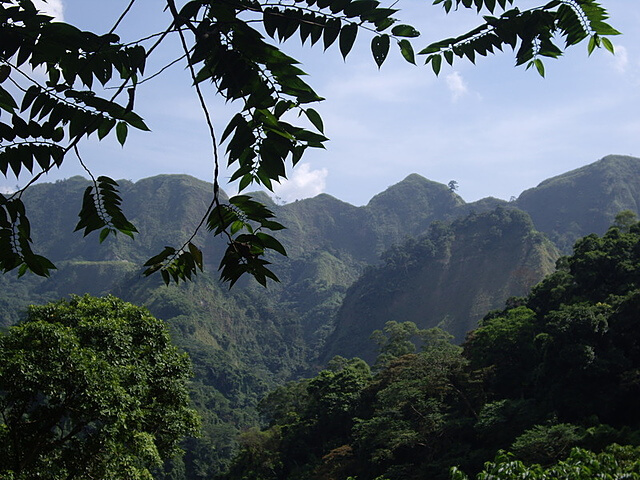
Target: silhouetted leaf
[(347, 38), (380, 48)]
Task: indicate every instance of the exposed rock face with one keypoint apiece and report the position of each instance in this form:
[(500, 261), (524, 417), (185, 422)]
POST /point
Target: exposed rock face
[(450, 278)]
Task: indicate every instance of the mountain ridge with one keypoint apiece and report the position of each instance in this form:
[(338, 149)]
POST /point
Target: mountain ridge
[(246, 341)]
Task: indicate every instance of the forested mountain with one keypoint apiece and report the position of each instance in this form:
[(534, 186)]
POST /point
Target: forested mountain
[(383, 261), (490, 257), (584, 200), (552, 371)]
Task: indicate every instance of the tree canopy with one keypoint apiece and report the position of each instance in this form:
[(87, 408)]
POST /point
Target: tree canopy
[(91, 388), (552, 378), (234, 47)]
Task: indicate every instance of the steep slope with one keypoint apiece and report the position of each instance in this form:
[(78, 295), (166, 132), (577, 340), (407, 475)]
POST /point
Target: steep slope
[(585, 200), (449, 278)]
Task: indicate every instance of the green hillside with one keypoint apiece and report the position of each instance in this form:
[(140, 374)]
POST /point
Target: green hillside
[(349, 271), (585, 200), (543, 389), (448, 278)]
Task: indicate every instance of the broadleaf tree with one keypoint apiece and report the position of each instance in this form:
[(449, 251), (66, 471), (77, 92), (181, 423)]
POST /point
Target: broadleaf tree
[(91, 388), (235, 48)]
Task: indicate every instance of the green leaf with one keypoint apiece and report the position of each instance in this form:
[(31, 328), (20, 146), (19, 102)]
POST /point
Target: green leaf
[(135, 121), (271, 225), (380, 48), (593, 43), (161, 257), (338, 5), (196, 254), (105, 127), (436, 63), (405, 31), (245, 182), (384, 23), (104, 233), (236, 227), (29, 97), (602, 28), (608, 45), (347, 38), (331, 32), (539, 66), (270, 242), (121, 132), (407, 51), (360, 7), (5, 71), (448, 55), (6, 101), (315, 118)]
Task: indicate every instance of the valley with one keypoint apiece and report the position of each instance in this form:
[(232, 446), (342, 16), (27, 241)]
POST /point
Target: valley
[(417, 252)]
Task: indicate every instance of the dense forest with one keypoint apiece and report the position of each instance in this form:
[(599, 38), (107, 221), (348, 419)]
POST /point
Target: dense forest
[(373, 357), (382, 283), (553, 370)]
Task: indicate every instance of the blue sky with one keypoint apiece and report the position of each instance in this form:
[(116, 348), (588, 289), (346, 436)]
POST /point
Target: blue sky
[(495, 129)]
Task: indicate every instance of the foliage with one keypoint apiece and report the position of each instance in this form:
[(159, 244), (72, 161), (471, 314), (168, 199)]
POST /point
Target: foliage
[(91, 387), (414, 411), (614, 462), (306, 418), (547, 444), (396, 340), (533, 32), (45, 121), (551, 372), (625, 220)]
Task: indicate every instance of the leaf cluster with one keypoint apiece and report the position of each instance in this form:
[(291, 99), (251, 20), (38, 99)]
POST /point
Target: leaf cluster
[(533, 34), (91, 387), (244, 67), (47, 119)]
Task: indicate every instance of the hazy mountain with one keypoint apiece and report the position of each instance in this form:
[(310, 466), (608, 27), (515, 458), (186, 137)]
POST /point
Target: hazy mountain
[(329, 241), (585, 200), (245, 341), (449, 278)]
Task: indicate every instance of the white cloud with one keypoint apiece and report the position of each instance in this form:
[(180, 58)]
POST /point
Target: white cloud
[(55, 8), (303, 183), (6, 190), (456, 85), (621, 60)]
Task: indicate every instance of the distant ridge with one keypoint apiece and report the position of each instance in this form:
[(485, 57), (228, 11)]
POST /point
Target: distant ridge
[(450, 279), (415, 252), (584, 200)]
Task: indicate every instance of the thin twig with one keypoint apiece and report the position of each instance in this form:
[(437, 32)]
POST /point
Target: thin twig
[(159, 72), (215, 202), (126, 10)]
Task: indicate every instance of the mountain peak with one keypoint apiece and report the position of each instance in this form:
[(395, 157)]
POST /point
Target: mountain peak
[(413, 188), (585, 200)]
